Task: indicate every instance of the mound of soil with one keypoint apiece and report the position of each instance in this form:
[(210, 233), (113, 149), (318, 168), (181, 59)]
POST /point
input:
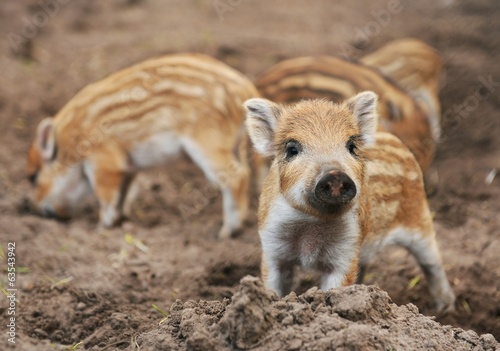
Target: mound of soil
[(357, 317)]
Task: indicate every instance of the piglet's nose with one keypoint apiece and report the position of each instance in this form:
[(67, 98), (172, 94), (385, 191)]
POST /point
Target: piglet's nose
[(335, 188)]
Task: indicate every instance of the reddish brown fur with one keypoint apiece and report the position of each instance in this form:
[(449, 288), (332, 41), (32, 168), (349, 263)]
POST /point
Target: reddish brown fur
[(413, 64), (417, 68)]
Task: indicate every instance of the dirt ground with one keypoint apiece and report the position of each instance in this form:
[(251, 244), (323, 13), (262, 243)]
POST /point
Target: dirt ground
[(79, 288)]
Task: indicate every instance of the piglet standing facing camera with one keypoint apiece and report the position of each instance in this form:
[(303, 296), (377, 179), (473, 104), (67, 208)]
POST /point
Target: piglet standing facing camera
[(337, 191)]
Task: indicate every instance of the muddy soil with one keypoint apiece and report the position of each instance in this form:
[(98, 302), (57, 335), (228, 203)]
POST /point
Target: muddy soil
[(87, 289)]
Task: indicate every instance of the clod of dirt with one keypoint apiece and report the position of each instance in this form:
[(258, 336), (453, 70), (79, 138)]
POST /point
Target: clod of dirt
[(249, 316), (357, 317)]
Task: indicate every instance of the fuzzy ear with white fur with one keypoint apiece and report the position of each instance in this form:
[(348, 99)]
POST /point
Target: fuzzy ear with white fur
[(261, 121), (45, 139), (364, 108)]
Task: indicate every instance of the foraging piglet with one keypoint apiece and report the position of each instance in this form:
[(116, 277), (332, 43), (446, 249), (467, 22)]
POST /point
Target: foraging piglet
[(336, 192), (142, 117)]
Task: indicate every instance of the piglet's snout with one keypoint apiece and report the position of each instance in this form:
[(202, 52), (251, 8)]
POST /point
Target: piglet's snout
[(335, 188), (48, 211)]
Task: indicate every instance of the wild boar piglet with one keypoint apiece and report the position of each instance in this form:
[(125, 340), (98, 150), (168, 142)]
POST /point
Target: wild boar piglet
[(338, 190), (142, 117)]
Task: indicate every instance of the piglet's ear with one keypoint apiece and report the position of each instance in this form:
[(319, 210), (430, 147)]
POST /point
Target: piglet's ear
[(364, 108), (45, 139), (261, 121)]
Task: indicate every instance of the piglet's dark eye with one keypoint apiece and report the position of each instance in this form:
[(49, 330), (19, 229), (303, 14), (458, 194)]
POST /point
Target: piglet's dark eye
[(293, 148), (32, 178), (351, 146)]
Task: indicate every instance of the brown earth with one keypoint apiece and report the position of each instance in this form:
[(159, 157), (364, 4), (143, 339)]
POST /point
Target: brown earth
[(78, 286), (358, 317)]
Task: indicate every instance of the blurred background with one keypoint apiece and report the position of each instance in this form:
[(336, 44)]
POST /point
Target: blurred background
[(49, 50)]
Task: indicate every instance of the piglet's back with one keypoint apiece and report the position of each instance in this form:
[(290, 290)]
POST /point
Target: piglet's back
[(187, 93)]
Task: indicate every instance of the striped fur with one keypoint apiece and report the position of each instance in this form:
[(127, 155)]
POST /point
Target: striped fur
[(417, 68), (390, 206), (337, 79), (141, 117)]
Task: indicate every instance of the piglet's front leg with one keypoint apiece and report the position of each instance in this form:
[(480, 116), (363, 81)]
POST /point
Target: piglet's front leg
[(335, 279), (107, 173), (277, 275)]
